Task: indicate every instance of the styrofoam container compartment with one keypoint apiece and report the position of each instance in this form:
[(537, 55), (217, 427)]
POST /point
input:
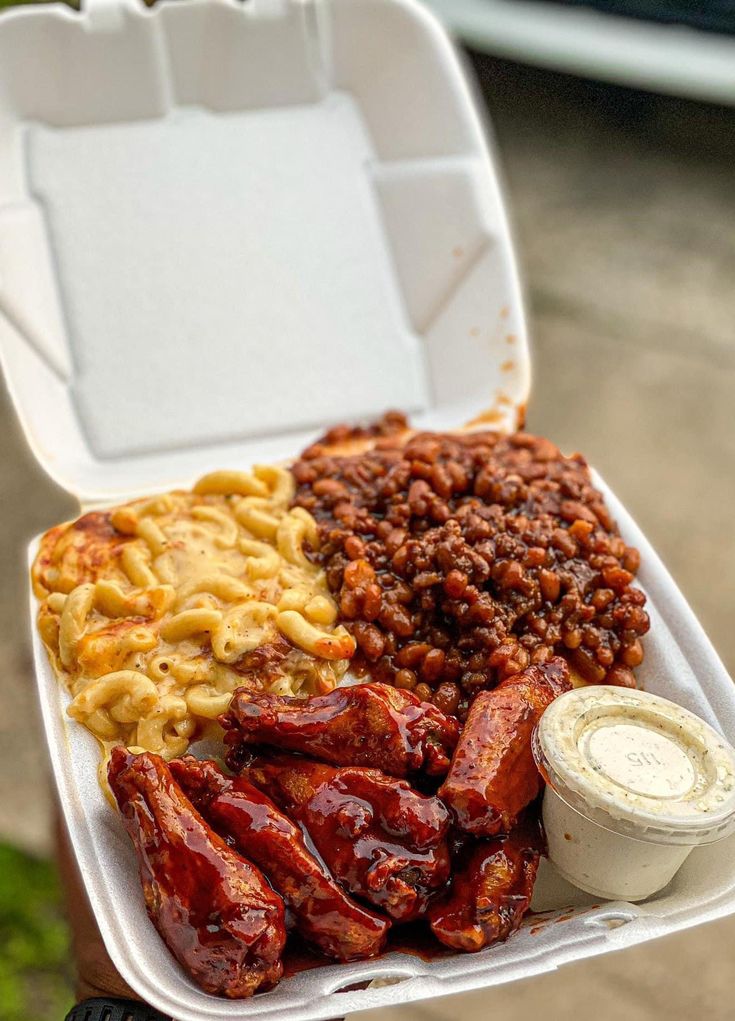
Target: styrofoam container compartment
[(223, 227)]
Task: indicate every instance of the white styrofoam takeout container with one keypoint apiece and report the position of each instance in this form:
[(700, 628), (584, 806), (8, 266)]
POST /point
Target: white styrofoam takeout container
[(224, 226)]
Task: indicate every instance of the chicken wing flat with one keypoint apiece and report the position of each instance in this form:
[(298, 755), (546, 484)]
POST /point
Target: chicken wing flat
[(324, 914), (380, 839), (490, 892), (373, 725), (493, 776), (214, 910)]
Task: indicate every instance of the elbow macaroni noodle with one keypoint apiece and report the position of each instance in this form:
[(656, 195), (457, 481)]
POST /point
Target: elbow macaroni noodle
[(154, 612)]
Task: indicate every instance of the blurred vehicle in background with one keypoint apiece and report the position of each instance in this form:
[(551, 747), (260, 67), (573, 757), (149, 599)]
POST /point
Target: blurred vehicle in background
[(671, 46)]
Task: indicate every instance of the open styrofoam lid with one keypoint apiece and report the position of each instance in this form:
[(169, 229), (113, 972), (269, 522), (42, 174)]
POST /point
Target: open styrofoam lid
[(226, 225)]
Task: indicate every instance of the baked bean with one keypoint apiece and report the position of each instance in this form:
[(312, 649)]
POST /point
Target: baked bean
[(605, 657), (446, 697), (354, 547), (458, 559), (621, 677), (632, 655), (535, 557), (372, 602), (550, 585), (329, 488), (348, 604), (455, 584), (587, 665), (509, 574), (358, 572), (631, 560), (400, 558), (406, 679), (414, 654), (564, 542), (394, 540), (397, 620), (617, 547), (572, 639), (617, 577), (432, 666), (602, 598), (370, 640)]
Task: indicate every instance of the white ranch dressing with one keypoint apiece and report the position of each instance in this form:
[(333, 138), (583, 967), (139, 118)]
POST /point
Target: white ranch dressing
[(634, 782)]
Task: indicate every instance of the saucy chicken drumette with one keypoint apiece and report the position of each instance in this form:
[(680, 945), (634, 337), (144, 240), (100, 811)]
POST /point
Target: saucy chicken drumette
[(492, 885), (360, 725), (382, 840), (324, 915), (493, 775), (215, 911)]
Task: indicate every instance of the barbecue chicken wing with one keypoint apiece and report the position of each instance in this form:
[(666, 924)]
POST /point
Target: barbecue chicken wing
[(323, 913), (493, 776), (380, 839), (373, 725), (214, 910), (490, 892)]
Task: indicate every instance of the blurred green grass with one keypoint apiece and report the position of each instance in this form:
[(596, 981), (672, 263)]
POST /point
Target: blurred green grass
[(16, 3), (35, 962), (35, 968)]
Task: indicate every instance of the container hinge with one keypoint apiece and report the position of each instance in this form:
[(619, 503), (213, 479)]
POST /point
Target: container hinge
[(106, 15)]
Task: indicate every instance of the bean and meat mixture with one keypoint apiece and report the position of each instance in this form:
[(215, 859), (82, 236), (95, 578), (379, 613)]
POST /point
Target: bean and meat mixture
[(460, 559)]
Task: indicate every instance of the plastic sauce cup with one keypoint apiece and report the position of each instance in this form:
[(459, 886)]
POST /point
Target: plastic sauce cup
[(634, 783)]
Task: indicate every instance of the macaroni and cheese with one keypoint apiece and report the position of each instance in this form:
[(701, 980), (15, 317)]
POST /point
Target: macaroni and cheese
[(155, 611)]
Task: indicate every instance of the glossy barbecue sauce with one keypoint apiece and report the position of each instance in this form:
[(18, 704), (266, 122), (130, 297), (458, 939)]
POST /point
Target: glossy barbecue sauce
[(215, 911), (380, 839), (492, 890), (414, 939), (364, 725), (325, 915)]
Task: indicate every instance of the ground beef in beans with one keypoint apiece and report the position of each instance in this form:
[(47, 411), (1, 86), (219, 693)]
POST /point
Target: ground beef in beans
[(457, 560)]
